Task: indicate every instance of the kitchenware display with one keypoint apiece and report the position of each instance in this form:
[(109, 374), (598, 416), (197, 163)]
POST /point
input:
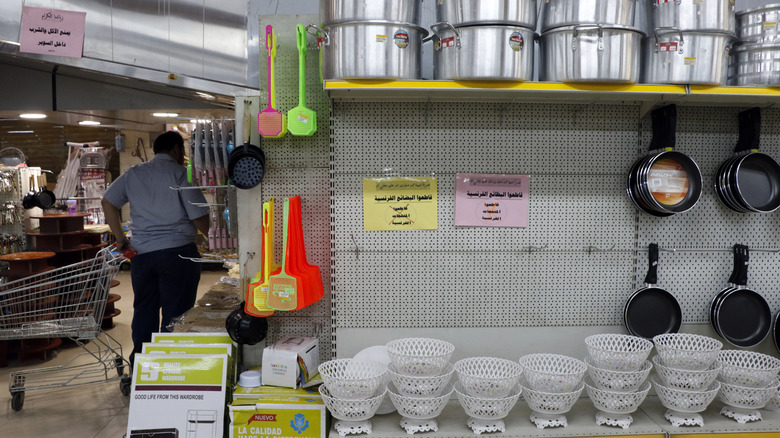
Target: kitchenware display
[(618, 352), (246, 164), (591, 53), (740, 315), (759, 25), (674, 56), (494, 52), (208, 171), (747, 368), (683, 406), (301, 121), (244, 328), (270, 122), (352, 379), (421, 386), (687, 351), (776, 330), (548, 409), (473, 12), (749, 181), (310, 285), (419, 356), (283, 287), (560, 13), (374, 49), (487, 377), (341, 11), (650, 310), (418, 414), (378, 353), (353, 415), (11, 157), (618, 381), (486, 413), (693, 380), (755, 64), (699, 15), (615, 407), (552, 373), (197, 148), (743, 402), (257, 289), (774, 402)]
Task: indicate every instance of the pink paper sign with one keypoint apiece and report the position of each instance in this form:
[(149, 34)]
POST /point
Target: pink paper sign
[(52, 32), (491, 200)]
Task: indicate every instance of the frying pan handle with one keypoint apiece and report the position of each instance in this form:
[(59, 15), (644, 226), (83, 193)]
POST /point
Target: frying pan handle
[(652, 269), (664, 121), (743, 255), (749, 130)]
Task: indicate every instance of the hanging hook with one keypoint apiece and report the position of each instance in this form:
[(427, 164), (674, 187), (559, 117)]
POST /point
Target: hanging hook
[(357, 250), (591, 248), (532, 248)]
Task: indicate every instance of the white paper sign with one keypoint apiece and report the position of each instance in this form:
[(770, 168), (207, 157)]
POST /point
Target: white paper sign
[(52, 32)]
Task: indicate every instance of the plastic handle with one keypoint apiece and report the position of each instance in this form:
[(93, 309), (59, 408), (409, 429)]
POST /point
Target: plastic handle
[(664, 122), (744, 261), (736, 268), (270, 44), (652, 270), (300, 39), (285, 219), (749, 130)]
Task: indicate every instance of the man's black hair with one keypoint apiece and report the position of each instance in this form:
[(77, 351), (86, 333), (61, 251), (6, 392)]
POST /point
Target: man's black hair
[(165, 142)]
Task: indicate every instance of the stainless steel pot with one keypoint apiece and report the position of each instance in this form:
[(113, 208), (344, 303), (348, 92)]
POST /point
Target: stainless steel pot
[(343, 11), (467, 12), (699, 15), (672, 56), (591, 53), (488, 52), (370, 50), (557, 13), (756, 64), (759, 24)]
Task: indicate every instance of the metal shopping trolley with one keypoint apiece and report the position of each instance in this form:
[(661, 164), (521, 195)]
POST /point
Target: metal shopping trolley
[(66, 302)]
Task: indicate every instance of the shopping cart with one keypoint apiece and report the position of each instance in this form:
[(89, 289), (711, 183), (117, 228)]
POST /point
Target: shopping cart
[(66, 302)]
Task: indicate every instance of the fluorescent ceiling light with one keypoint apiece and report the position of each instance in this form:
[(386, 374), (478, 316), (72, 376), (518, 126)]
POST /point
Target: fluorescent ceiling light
[(89, 122), (21, 132), (33, 116), (205, 95), (165, 114)]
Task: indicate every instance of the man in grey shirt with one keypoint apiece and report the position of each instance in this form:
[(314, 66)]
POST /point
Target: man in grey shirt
[(164, 224)]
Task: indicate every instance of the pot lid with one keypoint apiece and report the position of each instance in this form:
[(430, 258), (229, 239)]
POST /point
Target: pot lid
[(398, 24)]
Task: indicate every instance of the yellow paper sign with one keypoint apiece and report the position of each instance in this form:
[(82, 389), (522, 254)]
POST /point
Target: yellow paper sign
[(408, 203)]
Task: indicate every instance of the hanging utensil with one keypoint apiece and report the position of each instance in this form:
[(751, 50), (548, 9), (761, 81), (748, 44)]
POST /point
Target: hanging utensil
[(257, 292), (283, 287), (301, 120), (270, 122), (650, 310), (246, 165)]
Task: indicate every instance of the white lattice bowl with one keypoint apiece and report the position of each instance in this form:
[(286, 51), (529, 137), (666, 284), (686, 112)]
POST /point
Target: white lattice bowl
[(618, 381), (352, 379), (488, 376), (419, 408), (614, 351), (694, 380), (352, 410), (747, 368), (552, 372), (684, 400), (487, 408), (419, 356), (421, 386), (551, 402), (616, 402), (687, 351), (747, 397)]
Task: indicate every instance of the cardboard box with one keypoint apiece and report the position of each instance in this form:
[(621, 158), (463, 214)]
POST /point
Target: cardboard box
[(291, 361), (175, 348), (203, 338), (265, 392), (278, 417)]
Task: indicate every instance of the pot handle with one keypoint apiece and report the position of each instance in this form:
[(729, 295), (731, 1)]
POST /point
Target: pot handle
[(580, 27), (674, 29), (319, 30), (443, 24)]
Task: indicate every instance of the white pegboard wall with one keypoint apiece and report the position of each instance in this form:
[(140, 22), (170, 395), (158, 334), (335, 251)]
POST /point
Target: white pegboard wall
[(316, 327)]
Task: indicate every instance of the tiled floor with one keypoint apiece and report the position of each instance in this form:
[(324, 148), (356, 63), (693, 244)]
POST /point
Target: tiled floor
[(92, 410)]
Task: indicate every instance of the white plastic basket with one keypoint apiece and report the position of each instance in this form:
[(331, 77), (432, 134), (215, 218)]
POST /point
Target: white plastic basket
[(614, 351), (551, 403), (487, 408), (620, 381), (552, 372), (747, 368), (421, 386), (352, 379), (694, 380), (683, 400), (419, 356), (419, 408), (616, 402), (687, 351), (352, 410), (747, 397), (488, 377)]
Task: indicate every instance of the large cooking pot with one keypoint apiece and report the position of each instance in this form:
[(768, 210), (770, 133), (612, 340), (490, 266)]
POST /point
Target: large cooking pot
[(370, 50), (758, 25), (557, 13), (487, 52), (699, 15), (591, 53), (756, 64), (466, 12), (343, 11), (672, 56)]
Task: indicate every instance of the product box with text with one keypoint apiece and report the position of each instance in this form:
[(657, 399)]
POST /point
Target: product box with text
[(278, 417), (174, 348), (291, 361), (203, 338)]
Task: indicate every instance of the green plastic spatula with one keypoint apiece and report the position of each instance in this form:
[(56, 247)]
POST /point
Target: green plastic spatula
[(283, 287), (301, 121)]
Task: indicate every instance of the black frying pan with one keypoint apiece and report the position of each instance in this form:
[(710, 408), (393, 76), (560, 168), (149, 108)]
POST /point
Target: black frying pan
[(776, 331), (735, 273), (651, 311)]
